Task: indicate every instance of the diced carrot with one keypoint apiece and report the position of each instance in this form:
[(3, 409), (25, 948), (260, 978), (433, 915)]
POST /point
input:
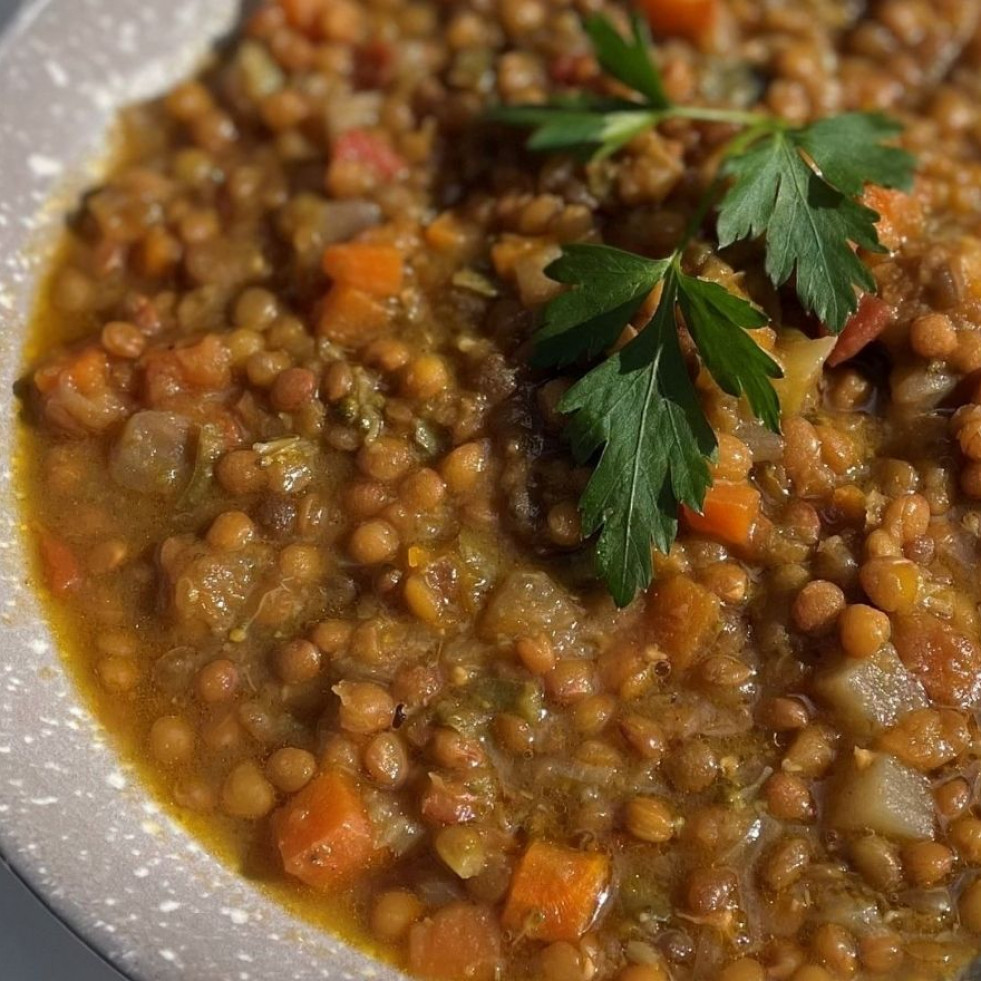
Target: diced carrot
[(351, 317), (324, 834), (61, 569), (694, 20), (900, 214), (445, 232), (729, 513), (556, 892), (375, 269), (358, 146), (683, 618), (864, 326), (460, 942)]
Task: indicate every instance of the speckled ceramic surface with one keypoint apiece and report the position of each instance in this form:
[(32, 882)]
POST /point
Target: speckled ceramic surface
[(73, 823)]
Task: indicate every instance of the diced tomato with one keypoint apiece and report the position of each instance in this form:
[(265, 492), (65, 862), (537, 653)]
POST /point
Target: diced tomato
[(78, 392), (201, 367), (946, 661), (362, 147), (572, 69), (864, 326)]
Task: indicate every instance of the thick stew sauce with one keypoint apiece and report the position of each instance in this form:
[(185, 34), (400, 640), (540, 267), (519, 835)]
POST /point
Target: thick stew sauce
[(311, 535)]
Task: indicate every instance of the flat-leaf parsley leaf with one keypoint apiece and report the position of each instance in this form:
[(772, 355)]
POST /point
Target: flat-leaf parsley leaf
[(637, 414), (810, 224), (639, 410)]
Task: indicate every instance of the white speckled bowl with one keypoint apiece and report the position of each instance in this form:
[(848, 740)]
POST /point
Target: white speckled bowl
[(73, 823)]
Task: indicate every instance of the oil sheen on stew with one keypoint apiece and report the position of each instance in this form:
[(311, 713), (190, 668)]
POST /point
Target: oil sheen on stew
[(310, 531)]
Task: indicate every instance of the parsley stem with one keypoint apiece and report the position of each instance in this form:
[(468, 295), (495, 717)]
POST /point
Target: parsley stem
[(711, 114)]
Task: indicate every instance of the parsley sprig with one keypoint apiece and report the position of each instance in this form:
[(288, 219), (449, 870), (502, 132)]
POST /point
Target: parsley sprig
[(637, 413)]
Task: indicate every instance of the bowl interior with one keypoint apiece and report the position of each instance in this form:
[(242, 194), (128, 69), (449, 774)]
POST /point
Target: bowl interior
[(74, 823)]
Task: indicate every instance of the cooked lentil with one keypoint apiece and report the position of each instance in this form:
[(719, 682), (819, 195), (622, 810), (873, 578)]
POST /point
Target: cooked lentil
[(310, 533)]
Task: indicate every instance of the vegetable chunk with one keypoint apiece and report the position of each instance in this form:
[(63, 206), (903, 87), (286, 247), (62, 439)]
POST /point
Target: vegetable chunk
[(693, 20), (947, 662), (375, 269), (152, 455), (683, 618), (324, 834), (59, 564), (526, 604), (351, 317), (556, 892), (460, 942), (729, 513), (869, 694), (870, 319), (878, 793)]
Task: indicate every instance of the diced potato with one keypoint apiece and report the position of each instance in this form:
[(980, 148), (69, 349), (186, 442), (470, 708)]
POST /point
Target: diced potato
[(683, 618), (870, 694), (527, 604), (875, 792)]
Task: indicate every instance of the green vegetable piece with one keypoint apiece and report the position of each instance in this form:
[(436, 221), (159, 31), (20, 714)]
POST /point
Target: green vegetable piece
[(209, 447), (583, 126)]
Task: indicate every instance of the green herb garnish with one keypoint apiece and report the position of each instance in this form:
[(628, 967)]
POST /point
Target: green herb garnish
[(794, 188)]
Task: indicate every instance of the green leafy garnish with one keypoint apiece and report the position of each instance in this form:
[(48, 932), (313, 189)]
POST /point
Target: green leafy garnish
[(588, 126), (637, 413), (582, 323), (810, 218), (717, 321), (639, 409), (629, 61)]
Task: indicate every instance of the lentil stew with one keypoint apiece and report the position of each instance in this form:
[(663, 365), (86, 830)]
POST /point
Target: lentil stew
[(310, 534)]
